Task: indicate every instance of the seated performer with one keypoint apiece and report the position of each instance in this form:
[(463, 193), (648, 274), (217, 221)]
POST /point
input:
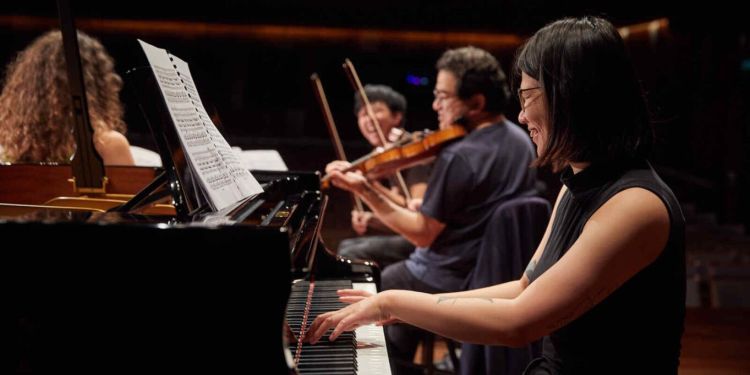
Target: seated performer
[(469, 179), (606, 286), (36, 113), (389, 108)]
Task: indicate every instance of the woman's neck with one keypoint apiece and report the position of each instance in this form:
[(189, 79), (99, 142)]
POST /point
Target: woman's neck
[(579, 166)]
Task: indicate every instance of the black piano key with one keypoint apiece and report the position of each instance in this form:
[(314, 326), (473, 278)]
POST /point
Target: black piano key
[(325, 357)]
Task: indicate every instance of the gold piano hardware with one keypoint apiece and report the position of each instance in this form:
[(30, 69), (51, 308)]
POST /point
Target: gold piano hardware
[(282, 213), (102, 190)]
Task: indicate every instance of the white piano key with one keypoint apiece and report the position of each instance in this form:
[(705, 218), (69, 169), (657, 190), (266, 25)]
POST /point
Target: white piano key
[(372, 355)]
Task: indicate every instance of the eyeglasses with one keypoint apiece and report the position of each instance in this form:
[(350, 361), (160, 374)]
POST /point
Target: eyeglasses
[(441, 96), (522, 99)]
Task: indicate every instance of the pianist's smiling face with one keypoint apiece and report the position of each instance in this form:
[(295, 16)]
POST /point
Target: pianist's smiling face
[(534, 111)]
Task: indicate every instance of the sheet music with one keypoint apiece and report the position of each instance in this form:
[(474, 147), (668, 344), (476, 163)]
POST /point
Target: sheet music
[(265, 160), (219, 170)]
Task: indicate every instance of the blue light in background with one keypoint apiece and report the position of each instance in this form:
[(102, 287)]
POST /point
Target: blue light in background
[(416, 80), (746, 65)]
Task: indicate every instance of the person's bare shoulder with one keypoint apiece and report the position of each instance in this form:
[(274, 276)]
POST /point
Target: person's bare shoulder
[(114, 148)]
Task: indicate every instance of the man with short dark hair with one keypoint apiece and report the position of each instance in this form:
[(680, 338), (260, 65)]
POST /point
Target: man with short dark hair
[(470, 177)]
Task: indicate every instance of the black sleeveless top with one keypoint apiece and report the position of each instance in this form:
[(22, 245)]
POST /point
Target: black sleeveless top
[(636, 329)]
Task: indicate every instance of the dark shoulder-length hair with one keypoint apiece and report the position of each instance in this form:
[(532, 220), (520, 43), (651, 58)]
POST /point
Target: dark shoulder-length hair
[(597, 109)]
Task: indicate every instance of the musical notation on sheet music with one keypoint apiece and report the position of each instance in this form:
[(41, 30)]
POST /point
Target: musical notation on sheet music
[(219, 171)]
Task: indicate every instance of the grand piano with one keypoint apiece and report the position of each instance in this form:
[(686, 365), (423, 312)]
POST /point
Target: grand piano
[(128, 290), (115, 292)]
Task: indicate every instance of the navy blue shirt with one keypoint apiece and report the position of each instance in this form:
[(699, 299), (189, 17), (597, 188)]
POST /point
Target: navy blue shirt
[(469, 179)]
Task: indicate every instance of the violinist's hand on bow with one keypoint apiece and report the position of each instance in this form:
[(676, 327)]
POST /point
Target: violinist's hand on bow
[(350, 181), (349, 318), (414, 204), (337, 165), (360, 220)]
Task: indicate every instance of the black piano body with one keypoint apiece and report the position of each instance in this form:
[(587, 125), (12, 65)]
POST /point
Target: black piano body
[(119, 293)]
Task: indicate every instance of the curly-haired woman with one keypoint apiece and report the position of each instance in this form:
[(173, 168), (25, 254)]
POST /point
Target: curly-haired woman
[(36, 114)]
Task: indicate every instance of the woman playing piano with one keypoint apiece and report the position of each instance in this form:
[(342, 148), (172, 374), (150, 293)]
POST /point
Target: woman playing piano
[(606, 286)]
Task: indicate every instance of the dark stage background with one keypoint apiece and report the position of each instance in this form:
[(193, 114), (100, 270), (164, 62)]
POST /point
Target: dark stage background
[(252, 62)]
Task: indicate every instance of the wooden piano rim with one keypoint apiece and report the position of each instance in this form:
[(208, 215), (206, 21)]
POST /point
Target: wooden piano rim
[(14, 209)]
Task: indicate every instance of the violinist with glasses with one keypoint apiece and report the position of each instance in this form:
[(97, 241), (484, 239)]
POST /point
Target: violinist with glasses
[(470, 177)]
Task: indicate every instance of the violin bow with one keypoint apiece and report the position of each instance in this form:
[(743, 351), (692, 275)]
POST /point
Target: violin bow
[(351, 73), (332, 131)]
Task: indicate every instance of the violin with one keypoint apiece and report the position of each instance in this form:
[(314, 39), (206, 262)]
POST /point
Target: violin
[(420, 148)]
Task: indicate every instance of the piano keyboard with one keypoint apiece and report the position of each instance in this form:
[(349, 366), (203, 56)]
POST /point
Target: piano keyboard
[(360, 352)]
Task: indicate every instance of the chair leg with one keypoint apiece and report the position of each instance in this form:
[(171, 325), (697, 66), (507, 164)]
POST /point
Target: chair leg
[(428, 346), (453, 355)]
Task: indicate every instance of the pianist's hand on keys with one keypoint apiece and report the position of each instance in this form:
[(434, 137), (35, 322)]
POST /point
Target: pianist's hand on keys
[(356, 295), (366, 311), (353, 295)]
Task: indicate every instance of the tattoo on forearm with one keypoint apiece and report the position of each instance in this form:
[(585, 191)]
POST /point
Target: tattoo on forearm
[(452, 300), (588, 301)]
